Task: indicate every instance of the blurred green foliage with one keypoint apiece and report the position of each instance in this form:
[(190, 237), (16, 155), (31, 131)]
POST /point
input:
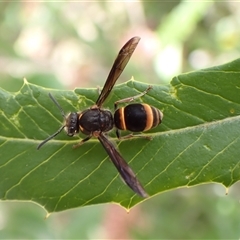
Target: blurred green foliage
[(73, 44)]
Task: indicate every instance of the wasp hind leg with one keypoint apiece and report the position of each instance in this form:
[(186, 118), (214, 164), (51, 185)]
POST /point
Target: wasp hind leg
[(130, 99), (131, 135)]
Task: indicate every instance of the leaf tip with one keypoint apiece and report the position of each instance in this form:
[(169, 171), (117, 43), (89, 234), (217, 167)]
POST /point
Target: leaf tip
[(226, 193)]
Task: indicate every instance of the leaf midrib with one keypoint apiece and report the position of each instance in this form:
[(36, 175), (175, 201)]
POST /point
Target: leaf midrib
[(159, 133)]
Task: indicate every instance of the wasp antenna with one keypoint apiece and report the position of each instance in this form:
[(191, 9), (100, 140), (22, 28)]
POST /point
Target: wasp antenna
[(58, 105), (50, 137)]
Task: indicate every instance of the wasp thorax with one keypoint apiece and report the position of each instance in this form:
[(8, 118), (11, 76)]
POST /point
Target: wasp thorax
[(97, 119), (71, 126)]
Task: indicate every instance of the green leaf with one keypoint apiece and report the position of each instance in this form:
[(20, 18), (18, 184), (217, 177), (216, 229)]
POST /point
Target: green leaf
[(197, 142)]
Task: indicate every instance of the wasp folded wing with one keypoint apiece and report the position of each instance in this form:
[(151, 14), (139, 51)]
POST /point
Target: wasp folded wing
[(123, 168), (118, 66)]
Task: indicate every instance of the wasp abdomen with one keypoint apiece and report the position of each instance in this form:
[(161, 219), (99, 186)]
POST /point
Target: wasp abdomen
[(137, 117)]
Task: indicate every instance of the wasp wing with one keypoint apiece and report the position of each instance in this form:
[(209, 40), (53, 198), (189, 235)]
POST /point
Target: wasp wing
[(123, 168), (118, 66)]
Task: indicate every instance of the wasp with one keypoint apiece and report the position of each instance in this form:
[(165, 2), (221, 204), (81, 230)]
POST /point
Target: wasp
[(96, 121)]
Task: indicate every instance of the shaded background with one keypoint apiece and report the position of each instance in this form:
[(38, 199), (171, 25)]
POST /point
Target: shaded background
[(73, 44)]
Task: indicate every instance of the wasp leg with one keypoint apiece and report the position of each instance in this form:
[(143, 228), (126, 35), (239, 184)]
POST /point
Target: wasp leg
[(82, 141), (130, 99), (131, 135), (99, 90)]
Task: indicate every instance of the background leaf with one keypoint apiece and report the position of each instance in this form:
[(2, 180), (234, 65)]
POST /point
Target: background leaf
[(198, 142)]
